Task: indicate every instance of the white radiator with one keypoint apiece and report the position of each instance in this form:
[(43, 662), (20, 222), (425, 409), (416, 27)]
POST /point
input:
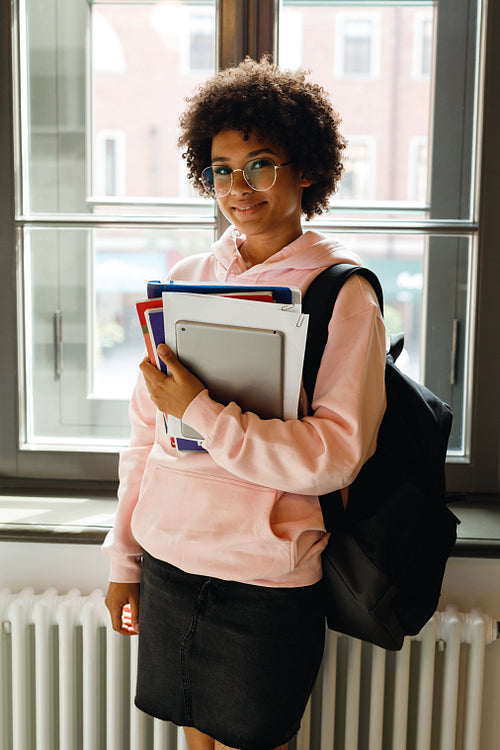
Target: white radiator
[(67, 683)]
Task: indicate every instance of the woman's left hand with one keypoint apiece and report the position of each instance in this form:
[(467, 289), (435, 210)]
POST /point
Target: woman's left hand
[(172, 393)]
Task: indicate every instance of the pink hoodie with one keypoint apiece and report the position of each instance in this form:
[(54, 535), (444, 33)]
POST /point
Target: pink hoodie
[(247, 509)]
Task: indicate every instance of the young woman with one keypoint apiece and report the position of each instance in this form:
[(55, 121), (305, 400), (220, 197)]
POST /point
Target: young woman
[(224, 547)]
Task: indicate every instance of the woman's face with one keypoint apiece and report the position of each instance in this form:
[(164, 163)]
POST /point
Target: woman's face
[(273, 214)]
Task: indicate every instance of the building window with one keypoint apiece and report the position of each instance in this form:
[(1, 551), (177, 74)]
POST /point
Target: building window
[(418, 170), (423, 33), (357, 46), (201, 42), (358, 181), (110, 164)]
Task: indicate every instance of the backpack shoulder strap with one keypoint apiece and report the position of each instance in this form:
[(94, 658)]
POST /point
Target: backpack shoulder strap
[(318, 303)]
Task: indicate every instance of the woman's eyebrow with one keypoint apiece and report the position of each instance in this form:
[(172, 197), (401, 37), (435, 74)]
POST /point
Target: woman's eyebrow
[(248, 156)]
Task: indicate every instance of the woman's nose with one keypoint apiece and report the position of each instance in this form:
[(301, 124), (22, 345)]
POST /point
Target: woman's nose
[(240, 185)]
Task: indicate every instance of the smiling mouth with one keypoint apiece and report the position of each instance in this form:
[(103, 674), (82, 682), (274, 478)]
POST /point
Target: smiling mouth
[(248, 209)]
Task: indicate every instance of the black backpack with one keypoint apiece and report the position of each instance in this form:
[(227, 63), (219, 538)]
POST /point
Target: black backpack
[(385, 560)]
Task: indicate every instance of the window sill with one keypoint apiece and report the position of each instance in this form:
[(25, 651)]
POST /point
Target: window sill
[(55, 518), (86, 520)]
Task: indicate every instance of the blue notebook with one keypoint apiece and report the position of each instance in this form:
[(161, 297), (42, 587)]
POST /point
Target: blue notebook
[(284, 294)]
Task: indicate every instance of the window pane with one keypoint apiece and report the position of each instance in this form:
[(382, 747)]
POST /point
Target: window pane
[(396, 77), (369, 72), (83, 340), (146, 58), (101, 85), (102, 88), (437, 338)]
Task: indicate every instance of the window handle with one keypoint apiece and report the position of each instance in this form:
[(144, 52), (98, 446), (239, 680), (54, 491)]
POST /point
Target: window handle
[(58, 343), (454, 351)]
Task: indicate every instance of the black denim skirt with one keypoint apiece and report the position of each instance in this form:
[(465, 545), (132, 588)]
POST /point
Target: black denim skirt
[(236, 661)]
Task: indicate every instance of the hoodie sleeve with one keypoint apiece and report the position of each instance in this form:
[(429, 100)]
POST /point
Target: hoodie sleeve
[(322, 452), (125, 553)]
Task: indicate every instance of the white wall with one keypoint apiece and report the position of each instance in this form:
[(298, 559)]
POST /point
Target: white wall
[(469, 583)]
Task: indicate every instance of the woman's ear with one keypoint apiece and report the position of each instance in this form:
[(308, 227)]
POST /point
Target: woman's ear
[(305, 182)]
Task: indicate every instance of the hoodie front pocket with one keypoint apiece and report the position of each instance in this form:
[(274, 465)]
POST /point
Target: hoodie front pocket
[(213, 525)]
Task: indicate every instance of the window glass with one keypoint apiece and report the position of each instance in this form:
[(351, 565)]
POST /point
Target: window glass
[(403, 79), (102, 88), (369, 73), (149, 59), (83, 341), (104, 201)]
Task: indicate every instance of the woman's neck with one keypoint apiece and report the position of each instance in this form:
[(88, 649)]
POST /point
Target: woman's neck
[(257, 249)]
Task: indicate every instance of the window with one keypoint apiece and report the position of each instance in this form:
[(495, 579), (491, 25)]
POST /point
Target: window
[(422, 44), (102, 200), (102, 203), (357, 43), (418, 170), (110, 163), (201, 42), (358, 180), (400, 169)]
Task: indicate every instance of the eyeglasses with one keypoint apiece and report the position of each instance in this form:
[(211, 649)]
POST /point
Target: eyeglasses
[(259, 174)]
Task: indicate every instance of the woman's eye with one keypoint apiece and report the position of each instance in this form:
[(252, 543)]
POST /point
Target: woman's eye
[(222, 171), (259, 164)]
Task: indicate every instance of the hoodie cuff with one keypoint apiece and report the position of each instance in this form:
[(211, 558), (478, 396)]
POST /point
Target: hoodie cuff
[(125, 570), (202, 413)]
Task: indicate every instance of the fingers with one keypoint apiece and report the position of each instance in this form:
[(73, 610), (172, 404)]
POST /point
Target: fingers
[(168, 357), (171, 393), (166, 354), (153, 374), (122, 601), (134, 613)]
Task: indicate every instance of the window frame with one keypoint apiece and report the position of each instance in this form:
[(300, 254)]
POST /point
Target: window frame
[(256, 33)]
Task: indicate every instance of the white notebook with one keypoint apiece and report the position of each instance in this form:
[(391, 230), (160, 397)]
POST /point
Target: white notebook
[(286, 329)]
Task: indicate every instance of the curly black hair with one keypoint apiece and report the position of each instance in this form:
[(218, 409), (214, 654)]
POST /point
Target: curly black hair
[(277, 104)]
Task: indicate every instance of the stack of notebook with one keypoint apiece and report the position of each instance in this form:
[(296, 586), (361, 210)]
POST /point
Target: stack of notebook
[(245, 343)]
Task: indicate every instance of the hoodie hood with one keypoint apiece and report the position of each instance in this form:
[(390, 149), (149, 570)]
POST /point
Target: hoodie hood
[(296, 264)]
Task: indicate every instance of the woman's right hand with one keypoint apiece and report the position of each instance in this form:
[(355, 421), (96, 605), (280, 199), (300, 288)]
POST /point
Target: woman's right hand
[(122, 600)]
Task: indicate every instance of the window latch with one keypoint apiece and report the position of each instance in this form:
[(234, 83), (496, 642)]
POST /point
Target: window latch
[(58, 343), (454, 351)]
